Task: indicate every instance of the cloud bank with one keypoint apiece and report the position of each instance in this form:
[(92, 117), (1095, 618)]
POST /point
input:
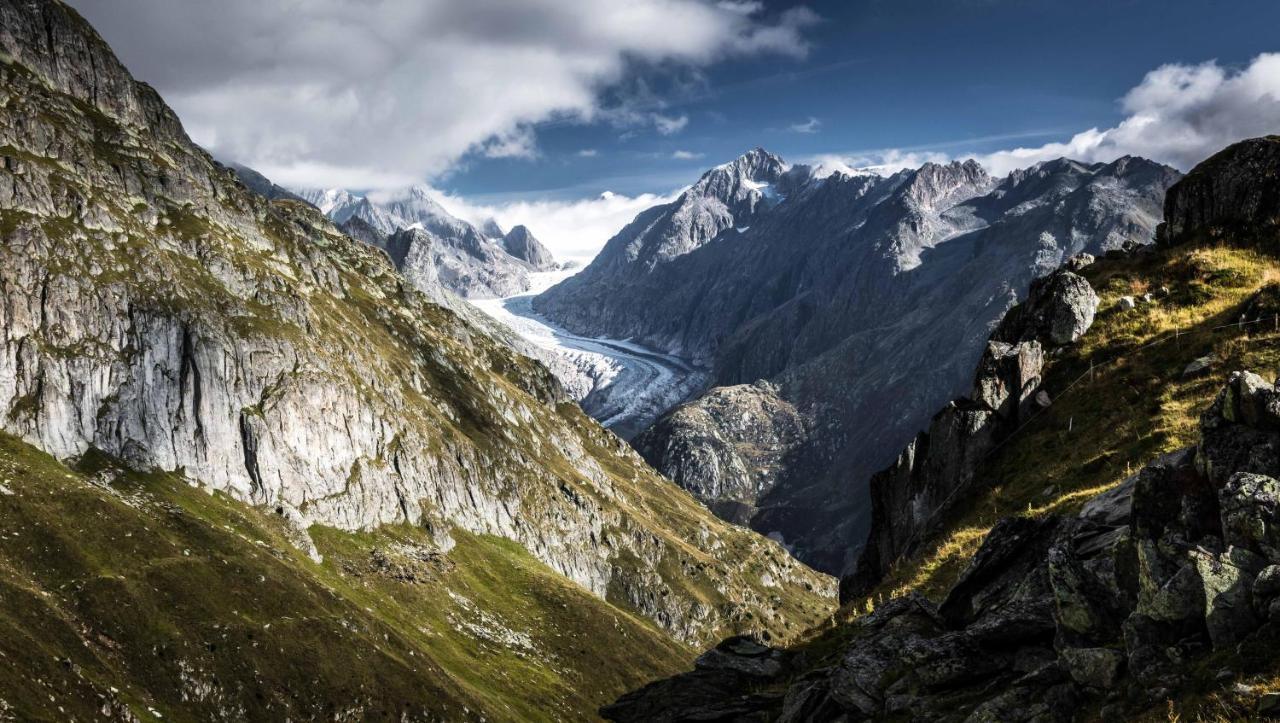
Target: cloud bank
[(385, 93), (1179, 114), (573, 230)]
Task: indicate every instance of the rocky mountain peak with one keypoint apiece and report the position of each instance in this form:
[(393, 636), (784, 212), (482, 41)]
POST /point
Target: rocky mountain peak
[(520, 243), (935, 185)]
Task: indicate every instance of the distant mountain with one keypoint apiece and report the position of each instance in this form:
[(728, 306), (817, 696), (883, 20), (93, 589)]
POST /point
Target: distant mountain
[(520, 243), (260, 184), (443, 249), (864, 299)]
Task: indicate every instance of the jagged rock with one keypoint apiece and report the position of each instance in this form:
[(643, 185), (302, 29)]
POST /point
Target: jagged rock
[(1059, 309), (520, 243), (1237, 190), (1228, 578), (1241, 430), (1093, 667), (1250, 505), (936, 469), (1266, 586)]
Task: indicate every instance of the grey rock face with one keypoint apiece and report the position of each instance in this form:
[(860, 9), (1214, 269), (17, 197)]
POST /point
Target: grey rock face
[(1118, 603), (260, 184), (728, 448), (936, 469), (153, 309), (841, 290), (1237, 190), (520, 243)]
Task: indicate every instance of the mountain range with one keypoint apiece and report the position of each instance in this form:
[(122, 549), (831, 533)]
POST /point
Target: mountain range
[(431, 246), (837, 312)]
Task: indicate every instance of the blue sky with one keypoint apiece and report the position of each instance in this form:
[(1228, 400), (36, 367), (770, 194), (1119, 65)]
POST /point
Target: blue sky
[(960, 77)]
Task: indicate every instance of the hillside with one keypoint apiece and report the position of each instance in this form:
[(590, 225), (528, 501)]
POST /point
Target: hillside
[(259, 377), (1112, 556)]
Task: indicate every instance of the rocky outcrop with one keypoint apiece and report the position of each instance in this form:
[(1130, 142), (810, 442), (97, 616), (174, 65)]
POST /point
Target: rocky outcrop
[(1237, 191), (155, 311), (260, 184), (1105, 612), (728, 447), (520, 243), (841, 290), (936, 470)]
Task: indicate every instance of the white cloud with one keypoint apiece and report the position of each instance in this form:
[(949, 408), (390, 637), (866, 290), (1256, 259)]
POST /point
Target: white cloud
[(345, 91), (588, 153), (809, 126), (1179, 115), (573, 230), (667, 125), (686, 155)]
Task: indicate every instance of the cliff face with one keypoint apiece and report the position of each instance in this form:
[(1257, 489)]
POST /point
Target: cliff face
[(935, 471), (157, 312)]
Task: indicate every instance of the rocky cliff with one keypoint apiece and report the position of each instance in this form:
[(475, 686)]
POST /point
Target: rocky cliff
[(935, 471), (840, 291), (157, 313)]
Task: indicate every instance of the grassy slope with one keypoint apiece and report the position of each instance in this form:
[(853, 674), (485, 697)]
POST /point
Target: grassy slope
[(1135, 405), (123, 591)]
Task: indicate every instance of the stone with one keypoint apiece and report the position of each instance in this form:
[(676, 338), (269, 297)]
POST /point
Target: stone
[(1080, 261), (1093, 667), (1250, 511), (1126, 303), (1199, 365), (1266, 586), (1235, 191), (1228, 578)]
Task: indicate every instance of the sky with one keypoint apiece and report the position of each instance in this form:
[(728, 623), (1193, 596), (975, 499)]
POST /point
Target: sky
[(573, 115)]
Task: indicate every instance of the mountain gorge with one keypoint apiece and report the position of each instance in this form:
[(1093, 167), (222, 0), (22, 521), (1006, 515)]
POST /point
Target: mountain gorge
[(1106, 554), (244, 426), (860, 303)]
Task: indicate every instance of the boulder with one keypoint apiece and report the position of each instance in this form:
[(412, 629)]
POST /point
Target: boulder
[(1059, 309), (1237, 190), (1079, 261), (1093, 667), (1250, 510), (1126, 303), (1228, 607)]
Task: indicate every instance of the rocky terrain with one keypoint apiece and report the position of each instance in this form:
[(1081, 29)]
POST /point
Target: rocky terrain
[(433, 248), (1152, 596), (841, 291), (158, 317)]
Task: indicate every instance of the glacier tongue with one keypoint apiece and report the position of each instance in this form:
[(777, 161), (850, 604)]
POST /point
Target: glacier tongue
[(624, 385)]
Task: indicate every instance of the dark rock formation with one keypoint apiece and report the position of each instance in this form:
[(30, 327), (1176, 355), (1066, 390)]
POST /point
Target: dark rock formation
[(937, 468), (1237, 190), (260, 184), (1056, 616)]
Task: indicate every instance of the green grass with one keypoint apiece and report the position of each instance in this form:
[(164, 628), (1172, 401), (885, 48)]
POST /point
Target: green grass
[(198, 607)]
